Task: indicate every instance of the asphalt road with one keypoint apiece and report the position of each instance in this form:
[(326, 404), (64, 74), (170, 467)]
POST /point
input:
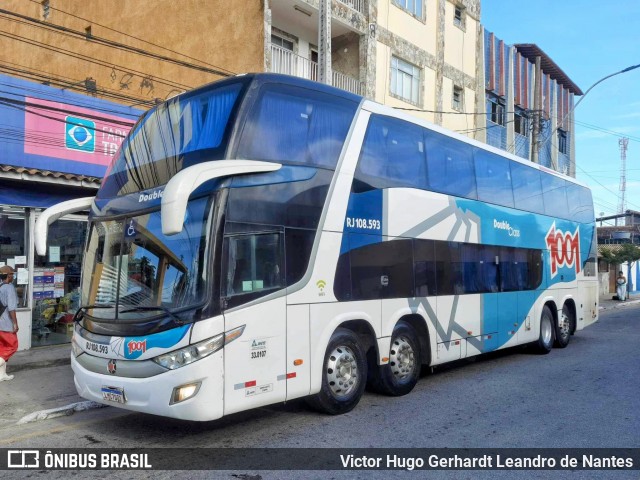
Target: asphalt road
[(584, 396)]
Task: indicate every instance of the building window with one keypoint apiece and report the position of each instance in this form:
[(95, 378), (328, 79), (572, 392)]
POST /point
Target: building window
[(414, 7), (281, 42), (563, 143), (459, 16), (405, 80), (520, 123), (496, 113), (458, 98)]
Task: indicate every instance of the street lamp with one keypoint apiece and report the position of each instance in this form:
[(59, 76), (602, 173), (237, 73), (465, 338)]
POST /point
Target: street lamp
[(550, 136)]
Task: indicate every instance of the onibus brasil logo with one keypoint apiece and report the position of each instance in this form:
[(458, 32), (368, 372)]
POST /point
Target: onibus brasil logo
[(564, 248)]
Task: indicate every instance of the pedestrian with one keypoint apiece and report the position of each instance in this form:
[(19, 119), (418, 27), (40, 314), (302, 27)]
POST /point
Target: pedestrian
[(8, 320), (621, 288)]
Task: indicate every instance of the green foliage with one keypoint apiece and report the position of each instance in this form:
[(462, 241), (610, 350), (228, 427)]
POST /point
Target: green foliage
[(626, 253)]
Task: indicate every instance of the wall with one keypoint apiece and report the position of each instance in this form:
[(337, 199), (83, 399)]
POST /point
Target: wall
[(226, 35)]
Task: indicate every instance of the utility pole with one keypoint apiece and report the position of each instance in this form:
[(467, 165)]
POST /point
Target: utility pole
[(324, 42), (622, 203), (537, 106)]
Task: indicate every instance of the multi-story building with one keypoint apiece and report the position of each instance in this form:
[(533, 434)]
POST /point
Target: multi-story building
[(422, 55), (536, 125), (417, 54)]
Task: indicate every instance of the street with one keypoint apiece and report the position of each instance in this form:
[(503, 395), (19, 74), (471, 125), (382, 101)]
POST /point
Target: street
[(584, 396)]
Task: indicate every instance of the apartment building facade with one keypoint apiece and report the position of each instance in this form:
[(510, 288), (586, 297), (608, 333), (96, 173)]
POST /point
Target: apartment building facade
[(529, 104), (421, 55)]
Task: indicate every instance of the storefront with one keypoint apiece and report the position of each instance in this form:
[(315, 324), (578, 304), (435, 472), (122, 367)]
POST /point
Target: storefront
[(55, 145)]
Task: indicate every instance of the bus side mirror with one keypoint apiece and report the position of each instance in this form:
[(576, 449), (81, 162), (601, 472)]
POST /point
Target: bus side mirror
[(176, 194), (52, 214)]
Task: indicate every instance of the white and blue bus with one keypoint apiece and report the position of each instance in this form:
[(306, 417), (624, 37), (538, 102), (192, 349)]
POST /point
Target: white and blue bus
[(266, 238)]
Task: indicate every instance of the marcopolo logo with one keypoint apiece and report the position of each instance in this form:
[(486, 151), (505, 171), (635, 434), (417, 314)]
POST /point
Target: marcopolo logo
[(564, 249), (80, 134)]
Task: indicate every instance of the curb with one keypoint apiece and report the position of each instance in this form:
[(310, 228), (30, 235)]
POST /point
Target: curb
[(619, 305), (39, 364), (59, 412)]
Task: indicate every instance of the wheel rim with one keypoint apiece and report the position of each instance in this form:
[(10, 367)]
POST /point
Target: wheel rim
[(545, 330), (402, 358), (342, 371), (564, 327)]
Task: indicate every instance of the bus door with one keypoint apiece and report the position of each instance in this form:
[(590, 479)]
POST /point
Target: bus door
[(255, 363)]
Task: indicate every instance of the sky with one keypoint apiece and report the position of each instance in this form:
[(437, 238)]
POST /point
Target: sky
[(588, 40)]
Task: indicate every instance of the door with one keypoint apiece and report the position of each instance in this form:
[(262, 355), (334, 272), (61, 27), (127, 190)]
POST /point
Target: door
[(255, 363)]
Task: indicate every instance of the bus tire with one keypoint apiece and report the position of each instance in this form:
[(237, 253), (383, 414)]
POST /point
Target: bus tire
[(401, 373), (545, 339), (563, 328), (344, 374)]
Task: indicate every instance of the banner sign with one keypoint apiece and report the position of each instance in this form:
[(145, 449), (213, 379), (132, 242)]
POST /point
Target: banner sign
[(244, 459)]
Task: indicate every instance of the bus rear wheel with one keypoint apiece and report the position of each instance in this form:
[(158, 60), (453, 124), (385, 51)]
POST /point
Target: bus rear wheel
[(344, 374), (545, 339), (564, 327), (400, 375)]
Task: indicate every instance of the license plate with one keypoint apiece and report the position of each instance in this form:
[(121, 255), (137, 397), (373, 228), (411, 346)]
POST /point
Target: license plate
[(113, 394)]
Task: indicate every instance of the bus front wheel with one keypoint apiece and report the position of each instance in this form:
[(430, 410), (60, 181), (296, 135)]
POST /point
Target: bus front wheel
[(400, 375), (545, 339), (344, 374)]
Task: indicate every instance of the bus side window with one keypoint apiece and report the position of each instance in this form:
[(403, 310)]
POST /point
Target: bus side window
[(555, 194), (527, 188), (393, 154), (493, 177), (424, 267), (450, 166), (296, 125)]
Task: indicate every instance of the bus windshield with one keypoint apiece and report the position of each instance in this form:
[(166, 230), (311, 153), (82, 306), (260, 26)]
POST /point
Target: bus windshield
[(136, 267), (174, 135)]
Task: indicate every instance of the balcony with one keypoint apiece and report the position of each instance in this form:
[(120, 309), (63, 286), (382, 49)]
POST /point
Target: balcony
[(357, 5), (287, 62)]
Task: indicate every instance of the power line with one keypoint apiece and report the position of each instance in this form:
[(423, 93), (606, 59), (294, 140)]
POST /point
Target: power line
[(134, 37), (93, 60), (113, 44)]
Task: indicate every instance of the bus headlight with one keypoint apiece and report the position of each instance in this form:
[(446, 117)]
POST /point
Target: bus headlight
[(190, 354)]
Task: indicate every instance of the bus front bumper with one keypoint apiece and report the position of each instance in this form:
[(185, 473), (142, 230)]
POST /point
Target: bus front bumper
[(154, 394)]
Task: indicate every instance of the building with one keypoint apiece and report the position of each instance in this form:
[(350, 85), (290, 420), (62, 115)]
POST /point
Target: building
[(421, 55), (529, 104), (55, 145), (611, 237)]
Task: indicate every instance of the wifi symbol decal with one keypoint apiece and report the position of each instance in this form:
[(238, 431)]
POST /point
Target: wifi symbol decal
[(321, 284)]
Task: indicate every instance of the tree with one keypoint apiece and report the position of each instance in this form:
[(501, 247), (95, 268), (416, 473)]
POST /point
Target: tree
[(626, 253)]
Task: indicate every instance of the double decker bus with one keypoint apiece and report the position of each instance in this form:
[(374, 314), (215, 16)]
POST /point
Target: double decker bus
[(266, 238)]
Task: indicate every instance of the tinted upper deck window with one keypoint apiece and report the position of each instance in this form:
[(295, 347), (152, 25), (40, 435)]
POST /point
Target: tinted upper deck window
[(174, 135), (296, 125)]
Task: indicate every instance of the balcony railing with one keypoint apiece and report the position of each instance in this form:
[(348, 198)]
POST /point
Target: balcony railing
[(357, 5), (287, 62)]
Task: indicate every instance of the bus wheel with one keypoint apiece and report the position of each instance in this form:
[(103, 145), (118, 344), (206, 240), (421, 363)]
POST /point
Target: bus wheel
[(401, 374), (545, 340), (563, 329), (344, 374)]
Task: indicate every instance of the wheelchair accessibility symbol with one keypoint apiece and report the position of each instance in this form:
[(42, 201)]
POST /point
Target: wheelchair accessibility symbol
[(131, 229)]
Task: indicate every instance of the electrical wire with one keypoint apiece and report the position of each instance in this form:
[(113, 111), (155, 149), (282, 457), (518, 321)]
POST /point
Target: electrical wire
[(134, 37), (110, 43)]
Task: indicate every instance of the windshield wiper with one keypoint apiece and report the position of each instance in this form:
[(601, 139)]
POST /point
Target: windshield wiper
[(177, 319), (77, 317)]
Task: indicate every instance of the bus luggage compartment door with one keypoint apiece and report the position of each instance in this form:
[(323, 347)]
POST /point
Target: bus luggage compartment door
[(255, 363)]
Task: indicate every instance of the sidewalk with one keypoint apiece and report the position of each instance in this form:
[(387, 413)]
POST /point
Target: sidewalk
[(607, 302)]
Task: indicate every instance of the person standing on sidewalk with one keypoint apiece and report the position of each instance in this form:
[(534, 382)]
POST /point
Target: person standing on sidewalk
[(621, 281), (8, 320)]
